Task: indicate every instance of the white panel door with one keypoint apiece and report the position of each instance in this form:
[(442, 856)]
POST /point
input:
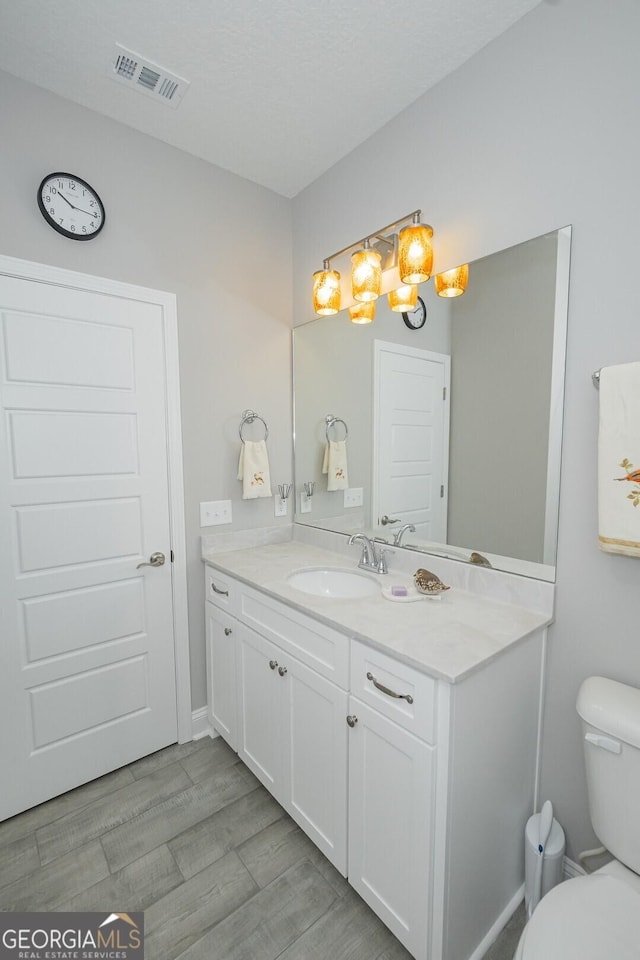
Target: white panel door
[(88, 671), (315, 773), (391, 779), (411, 438)]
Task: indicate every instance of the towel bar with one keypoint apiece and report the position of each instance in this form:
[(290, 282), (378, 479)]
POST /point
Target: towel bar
[(248, 416), (331, 421)]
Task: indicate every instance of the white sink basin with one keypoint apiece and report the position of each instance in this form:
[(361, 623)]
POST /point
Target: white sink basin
[(335, 582)]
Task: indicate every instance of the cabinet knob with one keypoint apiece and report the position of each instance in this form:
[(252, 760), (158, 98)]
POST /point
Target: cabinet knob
[(282, 671), (273, 664), (352, 719), (227, 631)]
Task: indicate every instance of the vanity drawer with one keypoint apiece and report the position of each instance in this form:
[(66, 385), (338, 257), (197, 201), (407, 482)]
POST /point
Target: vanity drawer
[(416, 714), (221, 590), (315, 644)]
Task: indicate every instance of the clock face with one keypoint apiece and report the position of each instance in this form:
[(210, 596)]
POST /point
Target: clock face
[(416, 318), (71, 206)]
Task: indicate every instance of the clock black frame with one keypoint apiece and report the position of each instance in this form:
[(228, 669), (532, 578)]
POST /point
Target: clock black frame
[(56, 226), (412, 319)]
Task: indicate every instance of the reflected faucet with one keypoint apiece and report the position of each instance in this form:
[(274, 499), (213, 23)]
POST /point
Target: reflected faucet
[(398, 535), (370, 559)]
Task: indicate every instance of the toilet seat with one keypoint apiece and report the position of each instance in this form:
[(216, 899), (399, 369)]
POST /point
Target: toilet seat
[(587, 918)]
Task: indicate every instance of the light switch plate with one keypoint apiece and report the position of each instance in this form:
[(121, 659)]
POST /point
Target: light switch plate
[(214, 512), (353, 497)]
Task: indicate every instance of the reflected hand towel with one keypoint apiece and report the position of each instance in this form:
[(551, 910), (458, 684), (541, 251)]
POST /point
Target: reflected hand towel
[(253, 470), (619, 460), (335, 465)]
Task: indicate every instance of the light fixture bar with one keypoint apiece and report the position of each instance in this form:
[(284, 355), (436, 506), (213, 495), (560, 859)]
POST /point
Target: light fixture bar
[(376, 234)]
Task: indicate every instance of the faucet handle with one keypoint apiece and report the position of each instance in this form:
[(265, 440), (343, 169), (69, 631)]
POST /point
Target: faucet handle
[(382, 560)]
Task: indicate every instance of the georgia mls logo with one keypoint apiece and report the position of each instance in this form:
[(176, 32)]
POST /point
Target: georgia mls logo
[(71, 936)]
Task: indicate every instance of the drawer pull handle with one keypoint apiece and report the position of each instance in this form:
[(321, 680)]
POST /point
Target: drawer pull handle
[(352, 719), (389, 693), (282, 671), (223, 593), (273, 664), (227, 631)]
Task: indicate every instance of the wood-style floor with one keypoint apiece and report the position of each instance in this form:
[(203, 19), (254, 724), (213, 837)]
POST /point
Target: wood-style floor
[(190, 837)]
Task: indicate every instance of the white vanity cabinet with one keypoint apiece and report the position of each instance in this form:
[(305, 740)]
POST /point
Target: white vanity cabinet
[(282, 685), (391, 792), (416, 788)]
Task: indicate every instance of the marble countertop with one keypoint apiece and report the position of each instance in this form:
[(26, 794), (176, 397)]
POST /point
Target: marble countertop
[(447, 638)]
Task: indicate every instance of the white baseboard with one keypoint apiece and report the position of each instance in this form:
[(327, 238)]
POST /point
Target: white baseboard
[(200, 726), (492, 935), (570, 869)]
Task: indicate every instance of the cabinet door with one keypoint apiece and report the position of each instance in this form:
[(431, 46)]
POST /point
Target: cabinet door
[(222, 638), (390, 823), (261, 703), (315, 776)]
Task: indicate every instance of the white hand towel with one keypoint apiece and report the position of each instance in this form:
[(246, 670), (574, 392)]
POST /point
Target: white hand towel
[(335, 465), (619, 460), (253, 470)]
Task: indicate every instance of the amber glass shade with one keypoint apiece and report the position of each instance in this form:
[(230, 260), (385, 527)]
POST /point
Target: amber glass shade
[(415, 253), (452, 283), (404, 298), (366, 275), (326, 292), (363, 312)]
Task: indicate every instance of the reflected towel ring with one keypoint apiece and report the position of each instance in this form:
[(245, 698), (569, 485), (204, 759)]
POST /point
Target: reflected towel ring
[(331, 422), (248, 416)]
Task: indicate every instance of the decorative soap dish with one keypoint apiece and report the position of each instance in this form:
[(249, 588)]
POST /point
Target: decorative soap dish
[(410, 597)]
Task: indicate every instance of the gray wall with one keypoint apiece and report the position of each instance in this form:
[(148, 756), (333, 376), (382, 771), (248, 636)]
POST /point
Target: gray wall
[(502, 343), (535, 132), (173, 223)]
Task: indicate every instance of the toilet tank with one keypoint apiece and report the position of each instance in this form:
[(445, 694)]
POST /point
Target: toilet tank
[(610, 714)]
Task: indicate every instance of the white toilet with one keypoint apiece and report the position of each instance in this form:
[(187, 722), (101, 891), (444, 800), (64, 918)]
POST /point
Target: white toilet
[(597, 917)]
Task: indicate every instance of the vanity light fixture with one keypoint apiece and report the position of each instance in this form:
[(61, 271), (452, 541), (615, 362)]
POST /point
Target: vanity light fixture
[(366, 273), (362, 312), (326, 291), (452, 283), (384, 262), (415, 251), (404, 298)]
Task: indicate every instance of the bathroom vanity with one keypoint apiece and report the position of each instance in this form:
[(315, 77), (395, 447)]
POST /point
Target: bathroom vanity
[(401, 737)]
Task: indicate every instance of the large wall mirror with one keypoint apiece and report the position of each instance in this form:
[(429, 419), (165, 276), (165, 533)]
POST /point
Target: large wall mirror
[(454, 428)]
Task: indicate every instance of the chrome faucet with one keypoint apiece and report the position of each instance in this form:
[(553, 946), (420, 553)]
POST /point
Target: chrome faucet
[(397, 537), (370, 559)]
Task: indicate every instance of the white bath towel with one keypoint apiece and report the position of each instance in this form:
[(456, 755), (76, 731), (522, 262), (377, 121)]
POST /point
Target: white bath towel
[(335, 465), (619, 460), (253, 470)]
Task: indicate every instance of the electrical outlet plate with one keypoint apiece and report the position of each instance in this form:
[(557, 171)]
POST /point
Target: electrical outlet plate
[(280, 506), (353, 497), (305, 503), (214, 512)]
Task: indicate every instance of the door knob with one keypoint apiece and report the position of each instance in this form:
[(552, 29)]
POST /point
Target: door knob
[(155, 560), (352, 720)]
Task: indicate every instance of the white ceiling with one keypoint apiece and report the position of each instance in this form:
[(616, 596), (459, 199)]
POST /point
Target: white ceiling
[(280, 89)]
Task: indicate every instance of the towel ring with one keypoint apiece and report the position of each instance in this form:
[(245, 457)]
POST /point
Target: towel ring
[(248, 416), (331, 422)]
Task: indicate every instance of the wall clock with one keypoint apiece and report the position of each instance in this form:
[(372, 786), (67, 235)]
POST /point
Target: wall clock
[(416, 318), (71, 206)]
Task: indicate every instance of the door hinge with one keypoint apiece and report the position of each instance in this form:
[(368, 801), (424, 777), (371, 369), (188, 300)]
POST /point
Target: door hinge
[(172, 556), (444, 393), (442, 489)]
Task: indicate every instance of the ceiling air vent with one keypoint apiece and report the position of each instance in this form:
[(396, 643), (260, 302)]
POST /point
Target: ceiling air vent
[(147, 77)]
